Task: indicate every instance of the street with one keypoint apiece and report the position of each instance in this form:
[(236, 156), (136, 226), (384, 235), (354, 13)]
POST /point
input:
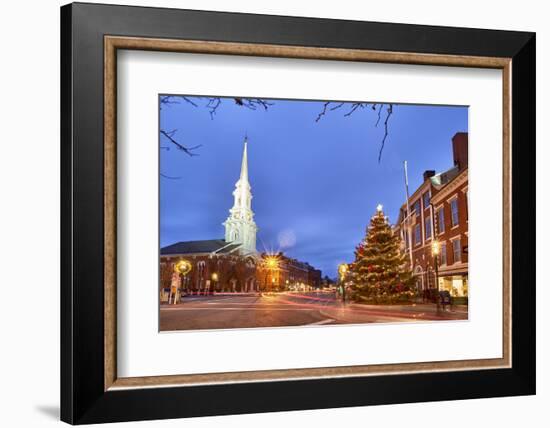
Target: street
[(290, 309)]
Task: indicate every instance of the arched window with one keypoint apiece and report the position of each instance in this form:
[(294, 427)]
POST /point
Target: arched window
[(201, 268), (418, 272)]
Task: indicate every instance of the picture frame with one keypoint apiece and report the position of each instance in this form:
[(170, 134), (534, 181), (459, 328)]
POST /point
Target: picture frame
[(91, 391)]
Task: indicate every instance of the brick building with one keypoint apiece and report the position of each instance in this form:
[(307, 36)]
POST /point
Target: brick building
[(437, 212), (215, 266), (219, 267), (291, 274), (233, 264)]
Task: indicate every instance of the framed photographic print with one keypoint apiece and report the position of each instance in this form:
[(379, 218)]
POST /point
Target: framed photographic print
[(266, 213)]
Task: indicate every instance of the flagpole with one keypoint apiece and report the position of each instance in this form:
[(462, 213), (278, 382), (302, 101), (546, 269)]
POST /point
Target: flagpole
[(407, 221)]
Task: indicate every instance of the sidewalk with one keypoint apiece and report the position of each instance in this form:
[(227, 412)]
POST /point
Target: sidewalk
[(417, 307), (359, 313)]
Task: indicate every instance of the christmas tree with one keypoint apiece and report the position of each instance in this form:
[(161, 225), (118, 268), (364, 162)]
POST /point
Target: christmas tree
[(379, 272)]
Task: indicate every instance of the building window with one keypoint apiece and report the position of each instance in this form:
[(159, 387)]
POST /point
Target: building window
[(454, 212), (456, 250), (428, 227), (201, 268), (443, 254), (417, 237), (426, 199), (416, 206), (441, 220)]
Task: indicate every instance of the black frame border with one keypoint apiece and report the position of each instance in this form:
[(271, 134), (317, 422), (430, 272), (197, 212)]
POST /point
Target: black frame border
[(83, 399)]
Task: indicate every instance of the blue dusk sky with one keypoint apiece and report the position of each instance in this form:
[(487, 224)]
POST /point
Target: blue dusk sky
[(315, 185)]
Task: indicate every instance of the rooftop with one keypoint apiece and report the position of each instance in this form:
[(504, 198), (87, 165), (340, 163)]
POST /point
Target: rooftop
[(199, 247)]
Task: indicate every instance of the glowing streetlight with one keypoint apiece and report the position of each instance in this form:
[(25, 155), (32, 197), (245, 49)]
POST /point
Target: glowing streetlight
[(214, 276), (342, 270), (183, 267), (436, 248), (271, 262)]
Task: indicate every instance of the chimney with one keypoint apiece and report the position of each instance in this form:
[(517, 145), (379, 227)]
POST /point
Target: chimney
[(460, 150), (429, 173)]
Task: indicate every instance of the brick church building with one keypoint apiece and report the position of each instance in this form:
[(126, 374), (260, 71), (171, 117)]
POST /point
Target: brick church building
[(233, 264)]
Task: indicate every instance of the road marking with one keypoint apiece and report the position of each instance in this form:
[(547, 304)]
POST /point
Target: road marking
[(250, 303), (217, 299), (322, 322), (236, 309)]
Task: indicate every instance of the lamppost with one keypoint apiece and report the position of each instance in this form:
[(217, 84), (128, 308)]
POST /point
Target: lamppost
[(182, 267), (343, 270), (436, 248)]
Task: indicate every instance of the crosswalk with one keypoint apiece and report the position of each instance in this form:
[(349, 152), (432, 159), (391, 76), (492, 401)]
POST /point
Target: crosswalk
[(287, 309)]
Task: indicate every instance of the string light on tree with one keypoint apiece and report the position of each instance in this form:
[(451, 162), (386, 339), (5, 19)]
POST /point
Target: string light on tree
[(379, 271)]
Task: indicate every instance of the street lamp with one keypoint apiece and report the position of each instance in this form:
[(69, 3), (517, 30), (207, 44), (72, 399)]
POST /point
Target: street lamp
[(343, 270), (436, 249), (182, 267)]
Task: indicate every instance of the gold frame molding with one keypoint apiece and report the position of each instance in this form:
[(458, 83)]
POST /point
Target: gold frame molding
[(113, 43)]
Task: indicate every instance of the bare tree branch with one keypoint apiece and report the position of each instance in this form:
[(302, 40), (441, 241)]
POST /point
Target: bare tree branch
[(175, 99), (212, 106), (354, 107), (253, 103), (379, 113), (168, 99), (389, 111), (188, 150), (359, 105), (169, 176), (323, 112)]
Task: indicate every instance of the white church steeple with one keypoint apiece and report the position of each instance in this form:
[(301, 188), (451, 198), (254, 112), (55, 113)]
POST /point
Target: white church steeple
[(240, 226)]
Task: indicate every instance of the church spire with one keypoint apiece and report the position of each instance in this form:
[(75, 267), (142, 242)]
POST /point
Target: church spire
[(244, 163), (240, 226)]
